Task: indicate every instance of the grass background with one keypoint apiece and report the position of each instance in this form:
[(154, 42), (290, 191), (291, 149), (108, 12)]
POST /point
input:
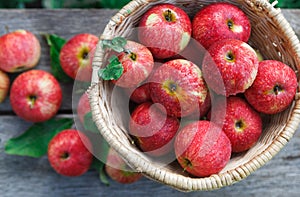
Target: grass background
[(56, 4)]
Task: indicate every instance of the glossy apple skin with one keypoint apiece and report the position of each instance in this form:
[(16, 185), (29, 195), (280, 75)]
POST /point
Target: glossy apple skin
[(4, 85), (164, 38), (35, 96), (242, 124), (83, 107), (118, 170), (135, 70), (202, 148), (261, 94), (210, 24), (76, 56), (237, 75), (19, 51), (68, 153), (153, 130), (179, 87)]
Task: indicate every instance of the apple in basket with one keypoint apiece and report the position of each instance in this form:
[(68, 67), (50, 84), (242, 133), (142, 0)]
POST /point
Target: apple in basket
[(118, 170), (219, 21), (76, 56), (68, 154), (202, 148), (35, 95), (140, 94), (274, 87), (19, 50), (4, 85), (153, 130), (242, 124), (179, 87), (230, 67), (165, 29), (83, 107), (131, 67)]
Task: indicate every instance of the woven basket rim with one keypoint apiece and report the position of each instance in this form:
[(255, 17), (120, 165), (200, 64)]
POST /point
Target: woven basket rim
[(178, 181)]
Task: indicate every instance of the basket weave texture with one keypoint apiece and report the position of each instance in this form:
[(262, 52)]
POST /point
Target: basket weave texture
[(271, 34)]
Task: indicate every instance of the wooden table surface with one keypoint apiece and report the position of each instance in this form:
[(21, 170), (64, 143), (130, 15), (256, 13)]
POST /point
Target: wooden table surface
[(24, 176)]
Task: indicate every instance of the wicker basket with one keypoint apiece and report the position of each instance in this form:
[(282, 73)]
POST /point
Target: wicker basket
[(271, 34)]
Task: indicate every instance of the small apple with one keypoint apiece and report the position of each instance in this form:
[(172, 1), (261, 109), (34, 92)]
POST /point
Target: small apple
[(4, 85), (165, 29), (137, 62), (118, 170), (219, 21), (68, 154), (202, 148), (153, 129), (140, 94), (242, 124), (35, 95), (83, 107), (274, 87), (19, 50), (76, 56), (230, 67), (179, 86)]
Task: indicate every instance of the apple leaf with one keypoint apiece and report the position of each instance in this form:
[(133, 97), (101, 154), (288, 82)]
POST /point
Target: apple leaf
[(34, 141), (89, 124), (100, 168), (117, 44), (113, 70), (56, 43)]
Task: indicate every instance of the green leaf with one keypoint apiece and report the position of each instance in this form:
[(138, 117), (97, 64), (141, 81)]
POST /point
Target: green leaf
[(113, 70), (100, 168), (114, 3), (117, 44), (89, 124), (34, 141), (56, 43)]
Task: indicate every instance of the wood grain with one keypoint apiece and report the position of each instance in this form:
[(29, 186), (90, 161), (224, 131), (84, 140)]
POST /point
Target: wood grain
[(23, 176)]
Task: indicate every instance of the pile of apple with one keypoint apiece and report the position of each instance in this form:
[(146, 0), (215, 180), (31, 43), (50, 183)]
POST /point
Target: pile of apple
[(208, 108), (36, 96)]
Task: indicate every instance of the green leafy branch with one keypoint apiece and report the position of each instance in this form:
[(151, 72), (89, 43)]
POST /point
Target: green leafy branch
[(114, 69)]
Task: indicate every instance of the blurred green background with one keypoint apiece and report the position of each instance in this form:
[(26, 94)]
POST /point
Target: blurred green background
[(55, 4)]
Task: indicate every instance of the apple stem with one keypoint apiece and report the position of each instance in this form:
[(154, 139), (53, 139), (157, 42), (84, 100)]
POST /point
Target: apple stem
[(277, 89), (168, 16), (230, 24), (32, 100), (7, 29)]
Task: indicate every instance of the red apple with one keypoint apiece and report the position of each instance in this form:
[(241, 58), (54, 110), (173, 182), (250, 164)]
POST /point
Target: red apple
[(153, 129), (242, 124), (202, 148), (118, 170), (165, 29), (137, 62), (19, 50), (274, 87), (68, 154), (35, 95), (219, 21), (4, 85), (179, 86), (83, 107), (76, 56), (230, 67), (140, 94)]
